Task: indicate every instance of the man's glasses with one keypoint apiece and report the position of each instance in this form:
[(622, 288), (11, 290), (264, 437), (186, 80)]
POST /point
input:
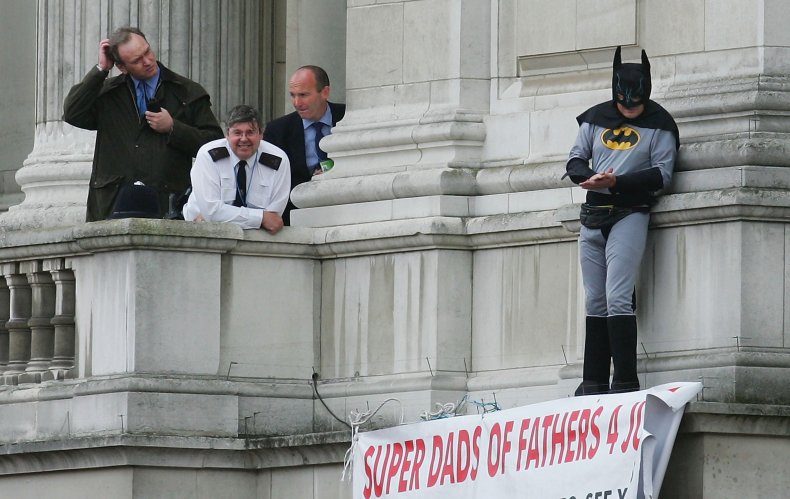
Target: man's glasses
[(248, 134)]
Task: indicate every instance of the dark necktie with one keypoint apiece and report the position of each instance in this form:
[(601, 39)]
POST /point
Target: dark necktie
[(319, 134), (241, 184)]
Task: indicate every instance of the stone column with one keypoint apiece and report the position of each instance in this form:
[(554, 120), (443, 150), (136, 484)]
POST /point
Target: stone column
[(42, 333), (219, 46), (18, 330), (63, 320), (17, 30), (5, 309), (417, 90)]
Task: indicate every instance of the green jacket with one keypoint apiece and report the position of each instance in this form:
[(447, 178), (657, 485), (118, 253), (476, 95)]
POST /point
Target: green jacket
[(127, 150)]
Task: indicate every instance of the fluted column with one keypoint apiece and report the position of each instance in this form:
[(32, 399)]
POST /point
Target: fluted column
[(63, 320), (218, 44), (18, 330)]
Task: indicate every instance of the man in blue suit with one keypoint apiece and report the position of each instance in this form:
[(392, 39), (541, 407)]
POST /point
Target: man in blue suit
[(299, 133)]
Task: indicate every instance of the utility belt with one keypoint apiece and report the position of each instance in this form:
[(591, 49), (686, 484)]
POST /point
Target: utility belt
[(604, 217)]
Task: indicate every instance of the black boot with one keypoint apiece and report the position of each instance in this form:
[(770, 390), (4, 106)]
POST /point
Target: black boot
[(595, 377), (622, 342)]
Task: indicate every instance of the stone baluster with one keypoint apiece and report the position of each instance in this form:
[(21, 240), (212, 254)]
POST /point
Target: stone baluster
[(63, 320), (18, 329), (42, 332), (5, 307)]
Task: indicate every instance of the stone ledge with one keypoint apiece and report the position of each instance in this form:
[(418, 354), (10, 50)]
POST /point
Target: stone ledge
[(732, 420), (744, 419), (59, 390), (173, 452)]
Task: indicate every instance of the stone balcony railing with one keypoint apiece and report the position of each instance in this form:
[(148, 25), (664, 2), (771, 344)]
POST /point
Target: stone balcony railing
[(152, 326), (151, 296), (36, 321)]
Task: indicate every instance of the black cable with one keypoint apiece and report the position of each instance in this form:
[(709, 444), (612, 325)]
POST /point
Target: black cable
[(315, 389)]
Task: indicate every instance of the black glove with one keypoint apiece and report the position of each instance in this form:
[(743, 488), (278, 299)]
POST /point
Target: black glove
[(578, 170)]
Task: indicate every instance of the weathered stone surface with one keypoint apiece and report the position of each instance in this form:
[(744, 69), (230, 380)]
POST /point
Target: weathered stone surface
[(437, 259)]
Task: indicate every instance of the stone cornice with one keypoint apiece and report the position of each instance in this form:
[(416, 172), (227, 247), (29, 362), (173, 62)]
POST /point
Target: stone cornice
[(149, 383), (180, 452)]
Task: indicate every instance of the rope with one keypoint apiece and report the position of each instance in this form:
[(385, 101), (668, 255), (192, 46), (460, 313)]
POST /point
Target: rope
[(442, 411), (357, 419)]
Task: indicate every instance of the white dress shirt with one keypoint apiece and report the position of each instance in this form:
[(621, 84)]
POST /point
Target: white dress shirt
[(214, 186)]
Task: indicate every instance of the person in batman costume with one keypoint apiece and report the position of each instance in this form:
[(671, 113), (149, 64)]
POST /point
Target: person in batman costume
[(624, 153)]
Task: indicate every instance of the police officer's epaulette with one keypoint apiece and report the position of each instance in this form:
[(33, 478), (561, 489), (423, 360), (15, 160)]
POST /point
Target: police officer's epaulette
[(218, 153), (270, 160)]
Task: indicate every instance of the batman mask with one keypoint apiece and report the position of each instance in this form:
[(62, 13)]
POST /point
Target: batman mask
[(630, 82)]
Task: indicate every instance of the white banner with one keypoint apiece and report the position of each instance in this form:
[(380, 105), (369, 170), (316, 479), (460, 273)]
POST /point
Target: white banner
[(594, 447)]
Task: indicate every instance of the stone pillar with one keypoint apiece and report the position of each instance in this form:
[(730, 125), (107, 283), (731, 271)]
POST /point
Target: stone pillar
[(42, 332), (216, 45), (5, 309), (18, 330), (415, 115), (17, 30), (63, 320)]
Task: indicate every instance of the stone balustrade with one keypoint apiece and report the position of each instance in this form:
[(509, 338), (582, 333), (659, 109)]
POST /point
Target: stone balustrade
[(37, 335)]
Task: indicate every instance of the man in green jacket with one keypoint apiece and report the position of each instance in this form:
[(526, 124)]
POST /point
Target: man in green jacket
[(149, 122)]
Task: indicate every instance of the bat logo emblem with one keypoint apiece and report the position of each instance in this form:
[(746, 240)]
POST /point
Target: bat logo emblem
[(620, 139)]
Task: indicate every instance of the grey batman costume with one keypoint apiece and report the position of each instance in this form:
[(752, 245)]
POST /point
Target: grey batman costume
[(640, 153)]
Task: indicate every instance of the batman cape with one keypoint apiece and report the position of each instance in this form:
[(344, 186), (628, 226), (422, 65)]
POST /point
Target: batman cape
[(654, 116)]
